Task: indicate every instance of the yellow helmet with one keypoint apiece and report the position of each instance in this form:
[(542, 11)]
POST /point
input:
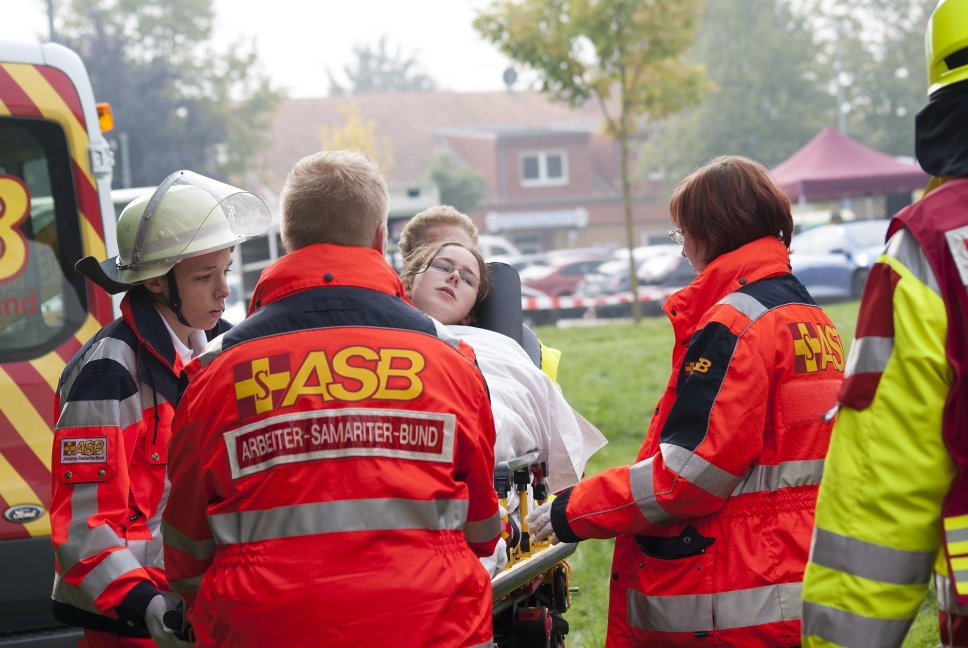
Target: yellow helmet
[(187, 215), (946, 44)]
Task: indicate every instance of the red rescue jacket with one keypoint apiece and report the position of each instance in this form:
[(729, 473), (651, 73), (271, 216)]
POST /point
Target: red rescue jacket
[(714, 520), (115, 402), (332, 459)]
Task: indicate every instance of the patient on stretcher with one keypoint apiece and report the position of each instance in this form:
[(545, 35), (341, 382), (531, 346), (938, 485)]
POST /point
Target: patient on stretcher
[(447, 281)]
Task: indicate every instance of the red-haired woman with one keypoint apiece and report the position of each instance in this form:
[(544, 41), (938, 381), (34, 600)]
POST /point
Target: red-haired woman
[(715, 518)]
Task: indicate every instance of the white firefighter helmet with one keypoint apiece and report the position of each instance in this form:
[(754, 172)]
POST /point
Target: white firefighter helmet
[(187, 215)]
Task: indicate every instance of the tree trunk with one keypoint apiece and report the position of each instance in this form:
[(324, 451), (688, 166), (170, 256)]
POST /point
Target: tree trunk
[(623, 138)]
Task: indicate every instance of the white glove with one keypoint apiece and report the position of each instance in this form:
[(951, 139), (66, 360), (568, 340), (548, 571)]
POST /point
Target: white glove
[(497, 560), (160, 633), (539, 522)]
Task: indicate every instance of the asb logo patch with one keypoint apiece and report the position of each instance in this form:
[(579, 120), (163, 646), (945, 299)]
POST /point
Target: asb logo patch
[(700, 366), (259, 384), (351, 375), (817, 346), (84, 450)]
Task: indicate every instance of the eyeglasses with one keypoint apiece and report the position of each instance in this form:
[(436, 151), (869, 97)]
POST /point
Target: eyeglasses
[(676, 236), (446, 268)]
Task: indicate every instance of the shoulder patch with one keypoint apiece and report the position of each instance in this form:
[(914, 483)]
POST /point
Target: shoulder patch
[(84, 450)]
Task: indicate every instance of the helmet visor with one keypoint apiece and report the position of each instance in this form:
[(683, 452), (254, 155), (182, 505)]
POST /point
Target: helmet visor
[(189, 215)]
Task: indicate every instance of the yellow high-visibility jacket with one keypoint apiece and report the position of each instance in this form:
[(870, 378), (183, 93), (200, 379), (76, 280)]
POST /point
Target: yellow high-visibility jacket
[(878, 525)]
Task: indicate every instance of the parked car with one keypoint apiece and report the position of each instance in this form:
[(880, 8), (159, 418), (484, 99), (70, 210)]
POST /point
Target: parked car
[(607, 279), (667, 269), (662, 265), (496, 246), (833, 261), (559, 277)]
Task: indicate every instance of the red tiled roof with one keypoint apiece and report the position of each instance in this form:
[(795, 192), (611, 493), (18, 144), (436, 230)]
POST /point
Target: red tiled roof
[(407, 121)]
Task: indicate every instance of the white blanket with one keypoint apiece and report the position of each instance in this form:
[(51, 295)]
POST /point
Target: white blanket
[(530, 413)]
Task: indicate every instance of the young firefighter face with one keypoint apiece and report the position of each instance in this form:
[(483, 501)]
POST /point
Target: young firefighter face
[(447, 289), (202, 287)]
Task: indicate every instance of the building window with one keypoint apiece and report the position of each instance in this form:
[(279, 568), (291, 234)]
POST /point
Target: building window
[(547, 168)]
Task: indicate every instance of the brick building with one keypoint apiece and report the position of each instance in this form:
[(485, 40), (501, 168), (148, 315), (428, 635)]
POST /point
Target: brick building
[(552, 177)]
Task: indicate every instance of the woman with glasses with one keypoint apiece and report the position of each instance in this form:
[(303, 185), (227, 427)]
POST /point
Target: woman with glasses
[(713, 522), (447, 281)]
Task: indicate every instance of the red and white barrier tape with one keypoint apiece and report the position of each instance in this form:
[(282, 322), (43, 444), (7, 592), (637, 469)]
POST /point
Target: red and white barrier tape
[(553, 303)]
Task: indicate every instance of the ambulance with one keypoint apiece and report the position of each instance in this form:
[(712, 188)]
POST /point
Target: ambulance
[(55, 208)]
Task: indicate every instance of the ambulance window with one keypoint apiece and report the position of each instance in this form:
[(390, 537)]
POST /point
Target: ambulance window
[(43, 300)]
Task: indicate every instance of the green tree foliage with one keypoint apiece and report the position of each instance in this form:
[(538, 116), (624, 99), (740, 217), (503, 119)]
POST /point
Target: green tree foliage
[(460, 186), (376, 71), (776, 81), (768, 102), (625, 54), (182, 104), (883, 58)]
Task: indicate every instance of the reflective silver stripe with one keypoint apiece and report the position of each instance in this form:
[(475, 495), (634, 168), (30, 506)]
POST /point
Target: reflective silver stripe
[(852, 630), (643, 492), (721, 611), (757, 606), (145, 551), (83, 542), (113, 566), (956, 535), (86, 544), (961, 576), (871, 561), (869, 355), (186, 585), (486, 644), (197, 549), (154, 522), (66, 593), (784, 475), (148, 396), (112, 349), (745, 304), (212, 350), (483, 530), (107, 348), (946, 596), (339, 516), (101, 413), (905, 248), (698, 471)]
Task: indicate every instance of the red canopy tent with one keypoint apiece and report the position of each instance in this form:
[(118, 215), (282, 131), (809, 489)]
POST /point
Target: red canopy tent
[(832, 165)]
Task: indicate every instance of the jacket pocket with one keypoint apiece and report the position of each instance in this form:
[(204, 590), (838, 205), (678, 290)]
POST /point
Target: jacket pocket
[(688, 543)]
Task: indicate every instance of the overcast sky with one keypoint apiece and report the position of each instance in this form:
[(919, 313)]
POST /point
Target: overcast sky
[(298, 39)]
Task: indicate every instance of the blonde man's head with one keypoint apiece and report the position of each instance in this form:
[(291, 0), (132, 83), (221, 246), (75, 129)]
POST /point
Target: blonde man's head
[(337, 197), (437, 224)]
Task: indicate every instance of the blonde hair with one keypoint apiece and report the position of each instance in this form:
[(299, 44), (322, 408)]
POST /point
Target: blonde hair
[(337, 197), (420, 259), (414, 234)]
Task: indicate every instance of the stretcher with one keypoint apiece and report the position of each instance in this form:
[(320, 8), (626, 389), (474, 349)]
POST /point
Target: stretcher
[(534, 590)]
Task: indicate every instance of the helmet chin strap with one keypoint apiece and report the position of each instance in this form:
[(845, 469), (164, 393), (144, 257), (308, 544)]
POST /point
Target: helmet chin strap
[(174, 302)]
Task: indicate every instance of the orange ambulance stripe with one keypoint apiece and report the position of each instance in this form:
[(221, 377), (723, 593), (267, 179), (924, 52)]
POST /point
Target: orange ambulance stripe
[(35, 387), (15, 98), (87, 201), (62, 85), (24, 461)]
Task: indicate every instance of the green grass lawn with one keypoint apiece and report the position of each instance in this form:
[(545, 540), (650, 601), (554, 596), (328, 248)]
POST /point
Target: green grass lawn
[(614, 375)]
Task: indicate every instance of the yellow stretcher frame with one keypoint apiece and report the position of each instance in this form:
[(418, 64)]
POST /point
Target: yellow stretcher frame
[(531, 565)]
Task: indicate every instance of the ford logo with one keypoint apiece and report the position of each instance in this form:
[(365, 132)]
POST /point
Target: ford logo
[(23, 514)]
